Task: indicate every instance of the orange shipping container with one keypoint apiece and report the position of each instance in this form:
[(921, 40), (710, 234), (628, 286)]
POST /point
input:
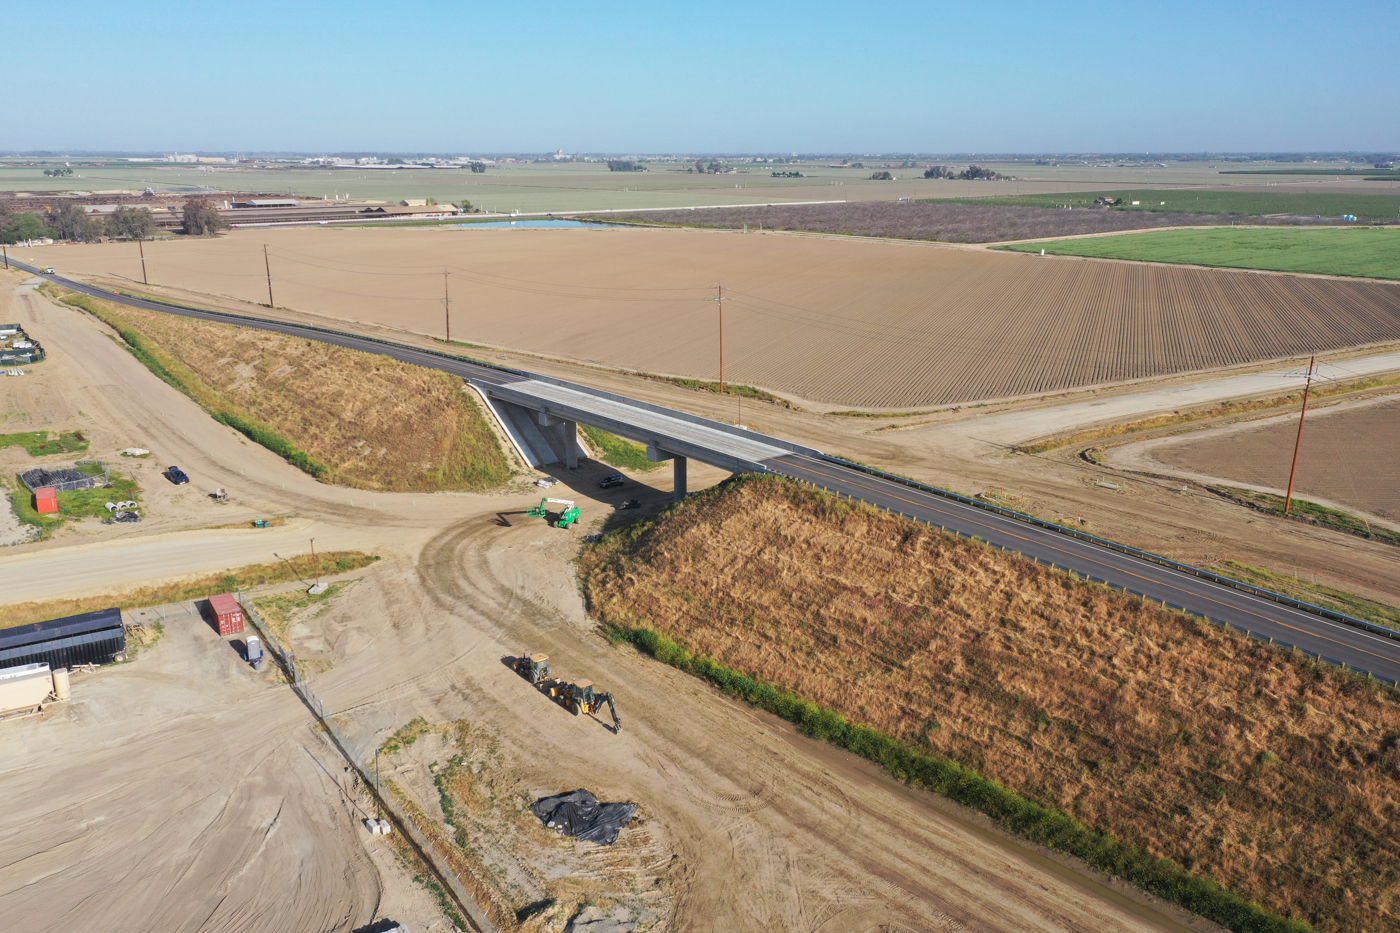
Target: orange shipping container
[(46, 500), (228, 613)]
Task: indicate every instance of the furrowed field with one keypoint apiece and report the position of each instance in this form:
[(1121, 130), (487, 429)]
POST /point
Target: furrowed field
[(1372, 252), (1240, 762), (836, 321)]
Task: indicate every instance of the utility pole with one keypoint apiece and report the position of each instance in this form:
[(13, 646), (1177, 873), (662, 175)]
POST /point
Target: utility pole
[(447, 306), (720, 301), (315, 568), (267, 264), (6, 253), (142, 248), (1298, 444)]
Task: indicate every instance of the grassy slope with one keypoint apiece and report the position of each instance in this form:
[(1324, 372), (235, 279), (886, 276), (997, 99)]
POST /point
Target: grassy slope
[(1222, 201), (1363, 251), (618, 451), (354, 419), (1237, 761)]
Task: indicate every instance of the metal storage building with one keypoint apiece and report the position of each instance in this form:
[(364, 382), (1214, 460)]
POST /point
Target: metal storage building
[(88, 638), (228, 613), (24, 687)]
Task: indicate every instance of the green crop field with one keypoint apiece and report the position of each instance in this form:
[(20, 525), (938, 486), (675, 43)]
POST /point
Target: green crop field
[(1221, 201), (1365, 251)]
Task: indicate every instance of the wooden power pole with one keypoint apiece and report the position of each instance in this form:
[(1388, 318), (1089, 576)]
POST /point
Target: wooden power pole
[(447, 306), (267, 264), (142, 248), (1298, 444), (720, 301)]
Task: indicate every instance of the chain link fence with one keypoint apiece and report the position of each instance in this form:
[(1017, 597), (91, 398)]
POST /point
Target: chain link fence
[(363, 763)]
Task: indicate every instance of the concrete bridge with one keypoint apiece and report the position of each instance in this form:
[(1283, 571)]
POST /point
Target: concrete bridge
[(542, 415)]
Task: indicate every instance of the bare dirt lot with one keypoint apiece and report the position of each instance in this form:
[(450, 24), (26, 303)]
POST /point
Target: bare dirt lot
[(833, 321), (1349, 455), (934, 220), (184, 791)]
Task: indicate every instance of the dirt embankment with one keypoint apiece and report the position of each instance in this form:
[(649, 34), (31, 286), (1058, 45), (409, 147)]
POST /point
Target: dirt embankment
[(941, 220), (361, 420), (1260, 769)]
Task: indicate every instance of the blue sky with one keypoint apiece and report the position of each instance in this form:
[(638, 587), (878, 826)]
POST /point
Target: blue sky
[(702, 77)]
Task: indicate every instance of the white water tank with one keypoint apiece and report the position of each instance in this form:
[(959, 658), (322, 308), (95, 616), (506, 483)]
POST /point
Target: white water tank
[(60, 684)]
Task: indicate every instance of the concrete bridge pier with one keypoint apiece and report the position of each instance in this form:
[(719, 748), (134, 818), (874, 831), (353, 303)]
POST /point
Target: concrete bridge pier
[(569, 429), (678, 470), (657, 455)]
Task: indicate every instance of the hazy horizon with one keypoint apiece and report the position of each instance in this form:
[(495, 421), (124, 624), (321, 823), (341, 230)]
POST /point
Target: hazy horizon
[(728, 77)]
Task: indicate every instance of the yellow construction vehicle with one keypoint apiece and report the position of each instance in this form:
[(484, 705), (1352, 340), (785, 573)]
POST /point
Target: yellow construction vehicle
[(580, 697), (533, 667)]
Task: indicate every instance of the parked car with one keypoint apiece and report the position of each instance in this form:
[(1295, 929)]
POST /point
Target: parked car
[(607, 482), (177, 476), (546, 482)]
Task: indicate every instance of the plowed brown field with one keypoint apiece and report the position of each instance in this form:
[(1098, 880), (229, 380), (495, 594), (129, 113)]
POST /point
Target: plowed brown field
[(838, 321)]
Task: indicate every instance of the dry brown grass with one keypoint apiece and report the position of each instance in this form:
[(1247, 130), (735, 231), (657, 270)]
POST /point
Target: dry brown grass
[(374, 422), (1272, 774), (298, 568)]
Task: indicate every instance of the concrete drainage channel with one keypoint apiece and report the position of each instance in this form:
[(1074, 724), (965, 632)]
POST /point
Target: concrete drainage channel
[(426, 849)]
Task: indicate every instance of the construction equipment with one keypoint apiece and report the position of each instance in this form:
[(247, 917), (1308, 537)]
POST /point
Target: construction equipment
[(580, 697), (533, 667), (567, 516)]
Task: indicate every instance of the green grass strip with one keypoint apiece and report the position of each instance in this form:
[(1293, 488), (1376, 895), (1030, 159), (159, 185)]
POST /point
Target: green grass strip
[(618, 451), (176, 376), (37, 443), (1027, 818)]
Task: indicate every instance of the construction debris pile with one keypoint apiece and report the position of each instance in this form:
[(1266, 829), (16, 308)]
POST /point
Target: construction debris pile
[(40, 477), (579, 814), (18, 347)]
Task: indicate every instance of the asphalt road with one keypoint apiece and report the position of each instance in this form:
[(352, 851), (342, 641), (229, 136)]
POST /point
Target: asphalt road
[(1265, 618)]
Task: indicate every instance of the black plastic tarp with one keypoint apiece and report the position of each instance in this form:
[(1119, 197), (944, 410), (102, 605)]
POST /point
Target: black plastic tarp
[(579, 814)]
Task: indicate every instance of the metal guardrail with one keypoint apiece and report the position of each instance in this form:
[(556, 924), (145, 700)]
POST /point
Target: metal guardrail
[(1125, 549)]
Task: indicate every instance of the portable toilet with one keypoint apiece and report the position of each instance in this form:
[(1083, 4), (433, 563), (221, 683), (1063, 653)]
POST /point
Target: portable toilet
[(228, 613), (255, 652), (46, 500)]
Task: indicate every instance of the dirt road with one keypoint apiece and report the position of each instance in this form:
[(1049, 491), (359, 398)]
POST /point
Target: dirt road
[(1347, 458)]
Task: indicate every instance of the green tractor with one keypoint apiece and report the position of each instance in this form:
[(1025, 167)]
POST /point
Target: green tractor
[(567, 516), (534, 668)]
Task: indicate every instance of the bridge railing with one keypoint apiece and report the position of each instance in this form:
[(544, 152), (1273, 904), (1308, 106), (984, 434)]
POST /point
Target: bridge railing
[(1289, 601)]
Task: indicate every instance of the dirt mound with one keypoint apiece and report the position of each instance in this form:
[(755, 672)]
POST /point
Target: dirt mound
[(1238, 761)]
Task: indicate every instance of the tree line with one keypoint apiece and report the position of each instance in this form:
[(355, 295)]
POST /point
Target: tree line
[(622, 165), (71, 222), (971, 173)]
